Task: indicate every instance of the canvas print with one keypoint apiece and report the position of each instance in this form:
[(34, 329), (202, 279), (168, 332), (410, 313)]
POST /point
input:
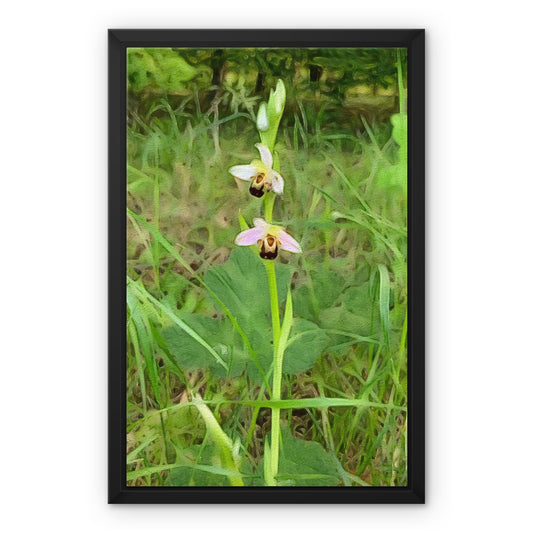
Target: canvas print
[(267, 267)]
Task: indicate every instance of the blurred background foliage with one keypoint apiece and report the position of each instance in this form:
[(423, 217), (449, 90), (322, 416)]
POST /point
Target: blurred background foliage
[(340, 83), (342, 147)]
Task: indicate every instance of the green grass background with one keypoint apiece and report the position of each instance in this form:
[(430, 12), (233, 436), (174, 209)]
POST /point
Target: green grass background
[(198, 307)]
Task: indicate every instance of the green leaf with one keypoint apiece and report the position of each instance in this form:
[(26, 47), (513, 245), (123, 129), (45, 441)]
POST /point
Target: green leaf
[(305, 463), (202, 466), (339, 318), (197, 476), (304, 304), (399, 132), (321, 290), (327, 285), (288, 321), (241, 283), (242, 222), (218, 333), (358, 300), (305, 345)]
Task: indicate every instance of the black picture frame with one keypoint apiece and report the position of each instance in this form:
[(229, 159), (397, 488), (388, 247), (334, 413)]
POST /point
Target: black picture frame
[(119, 41)]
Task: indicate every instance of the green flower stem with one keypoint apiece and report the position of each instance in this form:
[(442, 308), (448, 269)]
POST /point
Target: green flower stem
[(274, 112), (277, 363), (270, 198), (274, 304)]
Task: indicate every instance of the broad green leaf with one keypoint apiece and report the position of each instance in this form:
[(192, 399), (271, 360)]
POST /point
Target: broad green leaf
[(218, 333), (305, 463), (339, 318), (322, 288), (358, 300), (304, 304), (327, 285), (306, 343), (241, 283)]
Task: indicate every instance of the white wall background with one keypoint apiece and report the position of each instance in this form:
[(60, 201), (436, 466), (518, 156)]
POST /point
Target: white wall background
[(53, 267)]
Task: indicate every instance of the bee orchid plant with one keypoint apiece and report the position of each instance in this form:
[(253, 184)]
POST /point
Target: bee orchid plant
[(267, 182)]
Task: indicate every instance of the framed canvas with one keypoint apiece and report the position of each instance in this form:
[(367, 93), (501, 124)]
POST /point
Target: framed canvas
[(266, 266)]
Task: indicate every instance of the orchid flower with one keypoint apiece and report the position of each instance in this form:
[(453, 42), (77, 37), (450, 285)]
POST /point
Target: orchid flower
[(269, 238), (260, 173)]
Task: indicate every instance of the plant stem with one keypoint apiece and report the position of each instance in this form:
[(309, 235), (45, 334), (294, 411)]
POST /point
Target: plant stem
[(270, 198), (274, 304), (276, 379), (269, 138)]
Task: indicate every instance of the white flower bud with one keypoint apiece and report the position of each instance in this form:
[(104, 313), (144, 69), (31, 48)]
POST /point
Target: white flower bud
[(262, 118), (279, 97)]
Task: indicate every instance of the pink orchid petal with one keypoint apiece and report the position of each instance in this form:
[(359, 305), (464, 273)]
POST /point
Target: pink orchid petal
[(243, 172), (261, 223), (266, 156), (277, 182), (288, 243), (249, 236)]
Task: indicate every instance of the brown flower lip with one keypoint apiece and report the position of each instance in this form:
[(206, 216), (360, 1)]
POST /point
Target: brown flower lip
[(269, 247)]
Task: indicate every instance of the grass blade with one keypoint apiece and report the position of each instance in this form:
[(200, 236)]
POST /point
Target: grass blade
[(178, 321), (384, 301), (303, 403)]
